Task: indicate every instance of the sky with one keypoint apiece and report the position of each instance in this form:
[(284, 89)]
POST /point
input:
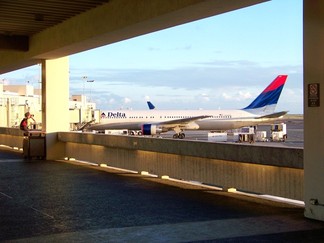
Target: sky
[(221, 62)]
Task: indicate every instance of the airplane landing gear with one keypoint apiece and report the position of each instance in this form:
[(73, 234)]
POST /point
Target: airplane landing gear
[(179, 135)]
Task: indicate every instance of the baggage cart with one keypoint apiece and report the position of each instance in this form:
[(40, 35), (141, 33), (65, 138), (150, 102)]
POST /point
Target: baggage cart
[(34, 145)]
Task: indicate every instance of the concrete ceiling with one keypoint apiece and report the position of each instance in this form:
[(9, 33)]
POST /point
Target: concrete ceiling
[(31, 30), (28, 17)]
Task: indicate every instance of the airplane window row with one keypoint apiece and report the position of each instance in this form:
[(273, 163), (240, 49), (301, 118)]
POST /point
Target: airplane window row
[(225, 116), (133, 117), (176, 117)]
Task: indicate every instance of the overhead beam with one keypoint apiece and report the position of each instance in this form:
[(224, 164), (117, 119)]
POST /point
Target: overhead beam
[(14, 42), (114, 21)]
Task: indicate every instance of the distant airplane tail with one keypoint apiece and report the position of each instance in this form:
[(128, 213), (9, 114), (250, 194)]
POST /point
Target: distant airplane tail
[(266, 102), (150, 105)]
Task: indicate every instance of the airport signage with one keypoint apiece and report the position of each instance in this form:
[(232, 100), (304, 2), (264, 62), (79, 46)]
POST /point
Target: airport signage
[(314, 95)]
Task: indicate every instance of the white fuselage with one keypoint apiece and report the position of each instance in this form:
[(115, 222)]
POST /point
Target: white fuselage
[(217, 119)]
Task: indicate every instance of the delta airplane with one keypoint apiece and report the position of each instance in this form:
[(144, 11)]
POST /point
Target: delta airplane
[(152, 122)]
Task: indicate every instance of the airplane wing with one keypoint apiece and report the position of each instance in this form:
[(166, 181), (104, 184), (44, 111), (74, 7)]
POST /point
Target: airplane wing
[(177, 125), (183, 121), (274, 115)]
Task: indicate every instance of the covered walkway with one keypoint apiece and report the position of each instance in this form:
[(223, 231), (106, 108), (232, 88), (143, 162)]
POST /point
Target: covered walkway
[(45, 201)]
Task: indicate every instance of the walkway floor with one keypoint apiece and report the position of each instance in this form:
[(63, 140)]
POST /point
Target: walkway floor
[(51, 201)]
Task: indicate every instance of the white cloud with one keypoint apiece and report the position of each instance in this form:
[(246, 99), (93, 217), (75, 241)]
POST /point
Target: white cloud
[(111, 101), (243, 95), (127, 100), (204, 97)]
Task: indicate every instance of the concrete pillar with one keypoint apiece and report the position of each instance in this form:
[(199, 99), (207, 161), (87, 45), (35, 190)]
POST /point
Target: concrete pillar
[(55, 106), (314, 108), (8, 112)]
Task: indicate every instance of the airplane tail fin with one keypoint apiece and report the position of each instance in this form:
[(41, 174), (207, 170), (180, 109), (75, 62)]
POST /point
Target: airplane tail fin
[(150, 105), (266, 102)]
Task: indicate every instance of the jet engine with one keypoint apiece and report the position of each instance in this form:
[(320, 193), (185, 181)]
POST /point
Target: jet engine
[(191, 126), (149, 129)]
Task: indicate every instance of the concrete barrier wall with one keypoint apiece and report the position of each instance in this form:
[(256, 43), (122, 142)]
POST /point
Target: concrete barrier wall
[(259, 169), (277, 156), (12, 137), (266, 170)]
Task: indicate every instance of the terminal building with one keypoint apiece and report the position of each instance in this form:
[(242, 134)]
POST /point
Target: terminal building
[(16, 100)]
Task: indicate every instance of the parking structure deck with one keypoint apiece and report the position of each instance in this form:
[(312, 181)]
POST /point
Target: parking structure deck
[(51, 201)]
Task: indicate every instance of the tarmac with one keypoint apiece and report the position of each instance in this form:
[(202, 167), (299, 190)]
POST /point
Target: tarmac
[(60, 201), (295, 132)]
